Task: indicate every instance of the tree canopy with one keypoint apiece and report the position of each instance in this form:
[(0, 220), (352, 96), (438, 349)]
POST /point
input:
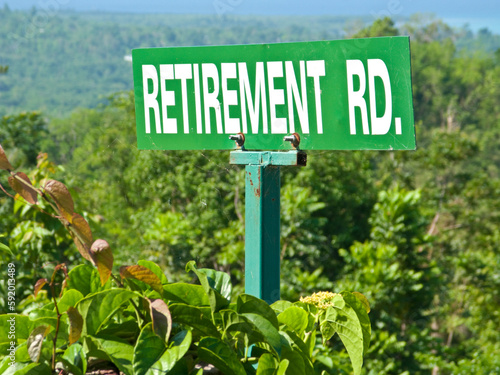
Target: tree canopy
[(417, 232)]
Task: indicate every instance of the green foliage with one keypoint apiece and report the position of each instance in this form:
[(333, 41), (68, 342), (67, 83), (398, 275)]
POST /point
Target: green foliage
[(21, 137), (146, 325), (109, 325), (380, 27), (394, 268), (417, 232)]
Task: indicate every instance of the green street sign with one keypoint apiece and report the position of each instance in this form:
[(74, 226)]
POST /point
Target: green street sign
[(336, 95)]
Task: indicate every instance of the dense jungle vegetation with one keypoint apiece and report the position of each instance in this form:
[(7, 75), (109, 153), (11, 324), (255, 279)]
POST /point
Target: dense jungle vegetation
[(418, 233)]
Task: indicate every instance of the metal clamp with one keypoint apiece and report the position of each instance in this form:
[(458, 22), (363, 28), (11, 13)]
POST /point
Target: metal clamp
[(294, 139), (238, 138)]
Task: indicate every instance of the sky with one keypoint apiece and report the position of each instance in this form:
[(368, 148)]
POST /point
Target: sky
[(477, 13)]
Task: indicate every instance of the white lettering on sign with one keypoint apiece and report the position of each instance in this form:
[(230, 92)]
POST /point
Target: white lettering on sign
[(183, 72), (232, 125), (167, 98), (300, 99), (259, 97), (209, 71), (216, 92), (376, 68), (150, 101), (276, 97), (316, 69), (197, 98)]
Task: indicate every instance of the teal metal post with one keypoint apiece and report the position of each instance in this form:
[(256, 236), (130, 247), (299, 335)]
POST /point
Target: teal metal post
[(262, 218), (262, 232)]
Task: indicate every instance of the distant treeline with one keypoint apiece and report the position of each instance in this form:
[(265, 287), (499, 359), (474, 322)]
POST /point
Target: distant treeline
[(60, 61)]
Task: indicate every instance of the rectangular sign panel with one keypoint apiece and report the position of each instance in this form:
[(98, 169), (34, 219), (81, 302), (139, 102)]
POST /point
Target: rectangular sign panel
[(336, 95)]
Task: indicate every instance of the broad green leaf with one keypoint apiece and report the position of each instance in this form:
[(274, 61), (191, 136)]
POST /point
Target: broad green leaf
[(189, 294), (124, 329), (247, 303), (346, 324), (359, 306), (234, 322), (363, 300), (298, 364), (69, 299), (267, 364), (67, 366), (295, 319), (96, 309), (22, 354), (216, 299), (293, 338), (23, 327), (218, 280), (7, 369), (31, 369), (75, 354), (46, 314), (24, 189), (85, 279), (219, 354), (198, 318), (4, 162), (177, 348), (75, 325), (118, 351), (148, 350), (155, 269), (5, 249), (161, 319), (103, 257), (280, 306), (35, 342), (283, 367), (310, 341), (267, 329), (152, 356), (143, 274), (309, 307)]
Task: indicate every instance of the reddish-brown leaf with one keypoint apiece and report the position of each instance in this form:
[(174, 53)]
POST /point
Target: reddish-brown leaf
[(39, 285), (82, 236), (4, 162), (103, 257), (143, 274), (24, 189), (75, 325), (60, 194), (161, 318)]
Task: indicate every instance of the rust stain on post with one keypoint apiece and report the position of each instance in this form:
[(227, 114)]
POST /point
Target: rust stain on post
[(257, 192)]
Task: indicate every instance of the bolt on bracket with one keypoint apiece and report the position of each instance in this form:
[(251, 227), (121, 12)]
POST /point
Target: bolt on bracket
[(238, 138), (294, 139)]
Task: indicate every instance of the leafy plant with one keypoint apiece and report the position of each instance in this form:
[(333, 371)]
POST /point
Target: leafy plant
[(139, 323)]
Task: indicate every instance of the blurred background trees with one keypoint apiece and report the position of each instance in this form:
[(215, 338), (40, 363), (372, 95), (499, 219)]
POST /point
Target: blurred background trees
[(417, 232)]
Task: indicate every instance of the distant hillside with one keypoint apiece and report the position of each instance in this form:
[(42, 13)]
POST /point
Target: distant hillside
[(74, 60)]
